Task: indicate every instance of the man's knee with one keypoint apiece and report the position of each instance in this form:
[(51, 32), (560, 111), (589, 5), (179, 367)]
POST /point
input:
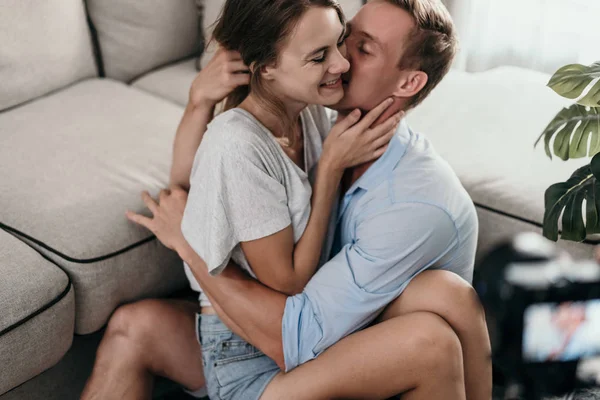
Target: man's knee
[(133, 321)]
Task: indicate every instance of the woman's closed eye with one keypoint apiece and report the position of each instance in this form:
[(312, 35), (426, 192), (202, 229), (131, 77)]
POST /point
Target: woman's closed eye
[(340, 44), (321, 59)]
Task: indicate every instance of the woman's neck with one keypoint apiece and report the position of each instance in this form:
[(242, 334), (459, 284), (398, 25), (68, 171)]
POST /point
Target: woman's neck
[(271, 121)]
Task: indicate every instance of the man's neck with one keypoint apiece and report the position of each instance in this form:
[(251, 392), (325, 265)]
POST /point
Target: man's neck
[(351, 175)]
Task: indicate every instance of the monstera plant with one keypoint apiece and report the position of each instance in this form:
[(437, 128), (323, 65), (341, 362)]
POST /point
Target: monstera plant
[(576, 134)]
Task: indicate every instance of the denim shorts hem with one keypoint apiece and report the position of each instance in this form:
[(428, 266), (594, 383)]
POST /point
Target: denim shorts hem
[(233, 368)]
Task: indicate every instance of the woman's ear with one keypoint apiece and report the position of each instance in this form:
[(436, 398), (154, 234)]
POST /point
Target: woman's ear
[(268, 72), (411, 83)]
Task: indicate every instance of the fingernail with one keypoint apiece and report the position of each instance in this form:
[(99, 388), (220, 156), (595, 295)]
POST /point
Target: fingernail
[(390, 100)]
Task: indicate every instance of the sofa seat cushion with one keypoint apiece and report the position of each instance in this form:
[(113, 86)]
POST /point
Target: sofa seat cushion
[(485, 125), (44, 46), (172, 82), (73, 163), (37, 312)]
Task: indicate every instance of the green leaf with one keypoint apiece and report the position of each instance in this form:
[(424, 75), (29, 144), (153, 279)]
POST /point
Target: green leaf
[(566, 198), (595, 166), (571, 80), (572, 128), (592, 206)]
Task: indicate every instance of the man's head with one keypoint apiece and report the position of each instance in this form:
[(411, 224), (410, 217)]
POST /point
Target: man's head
[(399, 48)]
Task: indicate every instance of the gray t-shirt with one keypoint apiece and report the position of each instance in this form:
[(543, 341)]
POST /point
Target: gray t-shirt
[(244, 187)]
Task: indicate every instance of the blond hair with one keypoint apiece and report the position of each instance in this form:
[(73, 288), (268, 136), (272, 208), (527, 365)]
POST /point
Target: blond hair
[(433, 42)]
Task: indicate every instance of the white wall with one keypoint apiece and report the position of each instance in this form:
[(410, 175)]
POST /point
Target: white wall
[(536, 34)]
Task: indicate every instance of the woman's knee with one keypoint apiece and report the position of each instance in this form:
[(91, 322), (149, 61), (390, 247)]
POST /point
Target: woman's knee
[(436, 346), (452, 298), (460, 293)]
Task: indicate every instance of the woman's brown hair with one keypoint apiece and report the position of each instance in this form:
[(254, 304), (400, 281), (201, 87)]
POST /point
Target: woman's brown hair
[(257, 29)]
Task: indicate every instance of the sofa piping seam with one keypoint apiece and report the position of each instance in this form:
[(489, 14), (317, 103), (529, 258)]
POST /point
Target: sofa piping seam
[(46, 306), (71, 259)]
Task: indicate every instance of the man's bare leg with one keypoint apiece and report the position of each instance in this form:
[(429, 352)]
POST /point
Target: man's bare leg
[(144, 339), (418, 355), (449, 296)]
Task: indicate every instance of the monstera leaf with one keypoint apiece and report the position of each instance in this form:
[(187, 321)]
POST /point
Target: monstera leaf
[(573, 128), (567, 198), (571, 80)]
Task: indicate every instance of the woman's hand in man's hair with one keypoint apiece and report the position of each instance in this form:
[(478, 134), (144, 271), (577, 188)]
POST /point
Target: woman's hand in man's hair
[(225, 72)]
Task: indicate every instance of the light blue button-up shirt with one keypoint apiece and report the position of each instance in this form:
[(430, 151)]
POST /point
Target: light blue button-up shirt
[(407, 213)]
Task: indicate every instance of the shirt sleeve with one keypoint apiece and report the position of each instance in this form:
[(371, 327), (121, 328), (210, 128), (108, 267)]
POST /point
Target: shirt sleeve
[(392, 246), (235, 196)]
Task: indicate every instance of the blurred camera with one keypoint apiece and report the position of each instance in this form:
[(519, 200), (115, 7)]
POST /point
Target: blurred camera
[(543, 313)]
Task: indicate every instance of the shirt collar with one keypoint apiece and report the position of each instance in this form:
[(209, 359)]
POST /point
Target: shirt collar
[(384, 166)]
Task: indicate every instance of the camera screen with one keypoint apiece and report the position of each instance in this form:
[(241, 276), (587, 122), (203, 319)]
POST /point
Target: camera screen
[(561, 331)]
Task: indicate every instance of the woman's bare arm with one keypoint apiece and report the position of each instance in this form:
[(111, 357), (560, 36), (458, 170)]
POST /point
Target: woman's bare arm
[(286, 267), (217, 80), (187, 140)]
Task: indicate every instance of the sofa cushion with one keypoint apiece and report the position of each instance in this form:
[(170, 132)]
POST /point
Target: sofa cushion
[(136, 36), (37, 312), (45, 45), (75, 162), (172, 82), (485, 125), (212, 11)]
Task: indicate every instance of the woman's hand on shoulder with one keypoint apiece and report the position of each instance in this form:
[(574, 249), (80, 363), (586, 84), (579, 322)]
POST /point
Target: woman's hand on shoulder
[(353, 141), (225, 72)]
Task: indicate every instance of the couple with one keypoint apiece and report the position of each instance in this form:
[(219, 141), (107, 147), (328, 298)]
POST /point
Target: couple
[(279, 318)]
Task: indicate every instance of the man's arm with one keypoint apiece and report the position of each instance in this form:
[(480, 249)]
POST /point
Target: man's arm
[(217, 80), (243, 303)]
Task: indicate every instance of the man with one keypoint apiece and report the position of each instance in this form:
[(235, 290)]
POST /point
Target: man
[(398, 48)]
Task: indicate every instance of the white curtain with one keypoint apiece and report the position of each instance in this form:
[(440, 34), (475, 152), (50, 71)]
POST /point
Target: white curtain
[(536, 34)]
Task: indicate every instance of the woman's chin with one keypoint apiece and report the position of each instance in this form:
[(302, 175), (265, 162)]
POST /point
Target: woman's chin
[(329, 99)]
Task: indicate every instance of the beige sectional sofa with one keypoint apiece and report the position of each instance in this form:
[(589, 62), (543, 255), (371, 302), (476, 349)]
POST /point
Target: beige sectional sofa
[(90, 97)]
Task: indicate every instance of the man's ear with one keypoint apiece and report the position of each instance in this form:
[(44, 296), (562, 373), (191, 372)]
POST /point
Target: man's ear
[(411, 83)]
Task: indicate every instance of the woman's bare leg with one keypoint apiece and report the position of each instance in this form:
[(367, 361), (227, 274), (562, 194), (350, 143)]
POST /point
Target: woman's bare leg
[(418, 355), (452, 298), (142, 340)]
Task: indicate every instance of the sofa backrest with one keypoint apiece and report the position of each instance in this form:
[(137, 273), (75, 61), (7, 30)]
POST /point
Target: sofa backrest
[(44, 46), (137, 36), (212, 11)]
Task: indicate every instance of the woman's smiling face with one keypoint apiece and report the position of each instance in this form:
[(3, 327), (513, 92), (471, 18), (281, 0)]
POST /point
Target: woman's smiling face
[(311, 61)]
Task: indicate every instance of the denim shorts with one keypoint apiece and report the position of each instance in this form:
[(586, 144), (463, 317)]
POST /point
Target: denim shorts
[(233, 368)]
